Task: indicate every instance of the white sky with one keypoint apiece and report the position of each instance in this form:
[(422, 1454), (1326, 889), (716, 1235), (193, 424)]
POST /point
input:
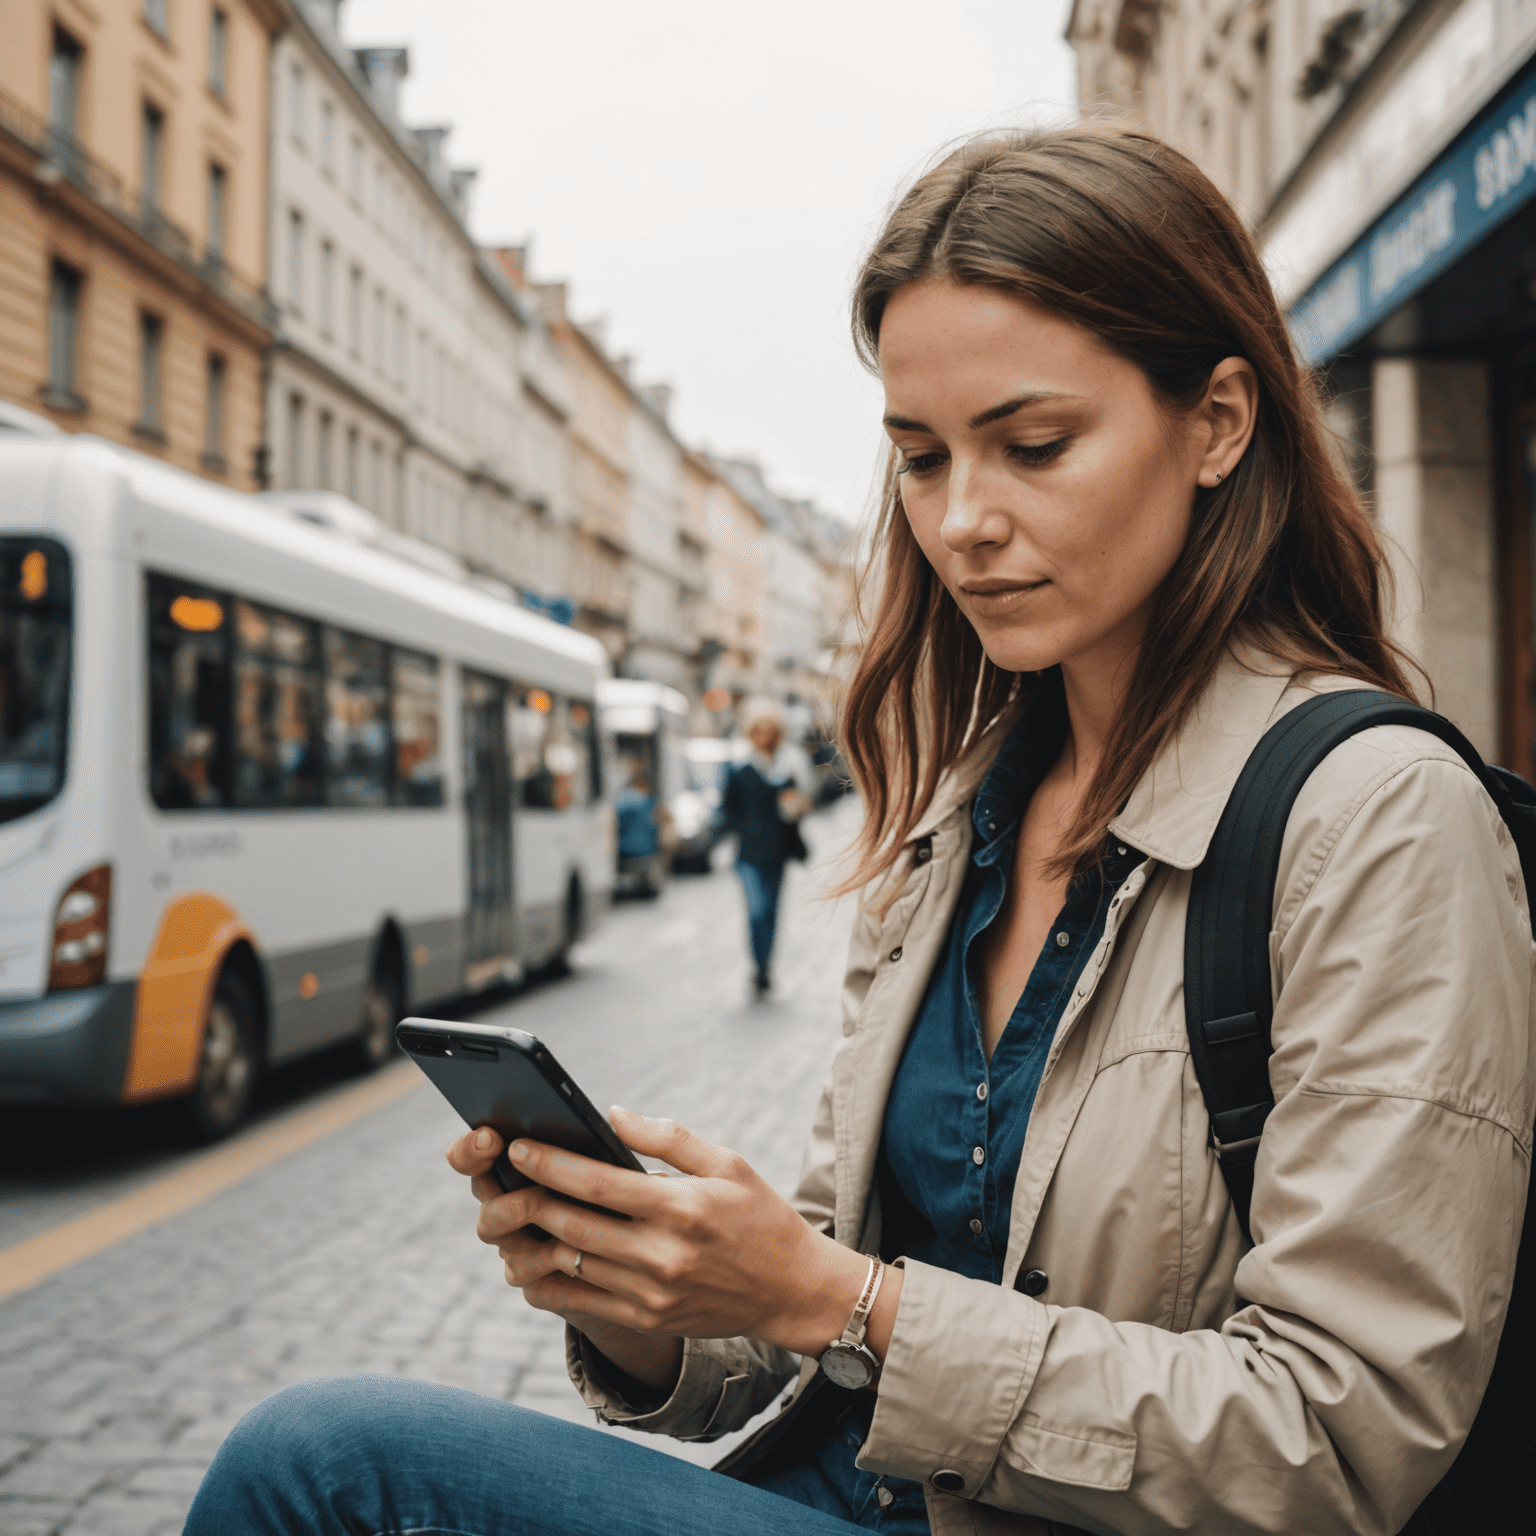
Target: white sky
[(707, 174)]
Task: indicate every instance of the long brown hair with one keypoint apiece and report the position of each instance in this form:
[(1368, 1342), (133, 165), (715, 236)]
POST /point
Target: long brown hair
[(1122, 234)]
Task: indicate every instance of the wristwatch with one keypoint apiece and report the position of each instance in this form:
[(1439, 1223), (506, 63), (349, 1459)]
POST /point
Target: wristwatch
[(849, 1361)]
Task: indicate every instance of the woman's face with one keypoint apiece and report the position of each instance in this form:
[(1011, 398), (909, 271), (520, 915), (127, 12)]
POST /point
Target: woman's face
[(1044, 482)]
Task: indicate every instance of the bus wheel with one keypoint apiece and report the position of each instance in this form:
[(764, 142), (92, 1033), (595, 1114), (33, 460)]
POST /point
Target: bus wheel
[(375, 1042), (227, 1071)]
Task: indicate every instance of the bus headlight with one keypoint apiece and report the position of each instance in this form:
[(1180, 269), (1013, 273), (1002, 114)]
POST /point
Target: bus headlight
[(80, 931)]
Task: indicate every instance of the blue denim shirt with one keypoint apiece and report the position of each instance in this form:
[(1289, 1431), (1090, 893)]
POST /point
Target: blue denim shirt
[(955, 1122)]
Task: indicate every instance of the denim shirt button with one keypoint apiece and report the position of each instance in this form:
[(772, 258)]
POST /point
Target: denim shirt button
[(981, 1092), (976, 1225), (978, 1155), (1063, 939)]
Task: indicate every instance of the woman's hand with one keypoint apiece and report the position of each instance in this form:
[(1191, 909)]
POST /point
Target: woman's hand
[(652, 1359), (711, 1256)]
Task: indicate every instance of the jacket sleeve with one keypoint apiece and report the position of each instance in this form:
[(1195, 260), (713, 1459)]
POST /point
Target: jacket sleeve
[(725, 1383), (1386, 1215)]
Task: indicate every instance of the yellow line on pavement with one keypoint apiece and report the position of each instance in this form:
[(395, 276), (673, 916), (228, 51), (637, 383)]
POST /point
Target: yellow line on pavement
[(35, 1258)]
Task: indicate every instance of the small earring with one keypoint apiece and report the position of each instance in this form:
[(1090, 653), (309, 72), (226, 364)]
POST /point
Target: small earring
[(1218, 477)]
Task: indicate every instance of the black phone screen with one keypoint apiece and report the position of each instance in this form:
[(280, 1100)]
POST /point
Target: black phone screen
[(507, 1080)]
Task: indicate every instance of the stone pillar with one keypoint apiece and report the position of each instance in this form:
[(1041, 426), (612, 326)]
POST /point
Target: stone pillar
[(1432, 441)]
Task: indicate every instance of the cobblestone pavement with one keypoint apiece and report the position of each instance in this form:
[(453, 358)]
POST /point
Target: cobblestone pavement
[(120, 1377)]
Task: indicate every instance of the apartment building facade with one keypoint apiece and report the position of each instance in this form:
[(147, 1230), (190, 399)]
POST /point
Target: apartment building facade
[(403, 355), (731, 625), (805, 576), (133, 212), (1385, 154)]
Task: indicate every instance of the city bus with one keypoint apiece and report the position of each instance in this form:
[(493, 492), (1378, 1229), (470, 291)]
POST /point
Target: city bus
[(265, 786)]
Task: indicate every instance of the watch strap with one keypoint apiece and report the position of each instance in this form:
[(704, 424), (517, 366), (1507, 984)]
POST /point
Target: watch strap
[(854, 1332)]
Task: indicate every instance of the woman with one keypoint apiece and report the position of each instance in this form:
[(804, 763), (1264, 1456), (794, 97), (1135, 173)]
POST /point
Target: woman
[(1114, 549), (764, 799)]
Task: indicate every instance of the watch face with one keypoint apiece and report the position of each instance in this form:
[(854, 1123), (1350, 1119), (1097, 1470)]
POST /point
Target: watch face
[(848, 1365)]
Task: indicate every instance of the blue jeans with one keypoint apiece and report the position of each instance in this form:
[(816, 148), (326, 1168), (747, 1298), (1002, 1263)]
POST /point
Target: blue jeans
[(761, 883), (364, 1455)]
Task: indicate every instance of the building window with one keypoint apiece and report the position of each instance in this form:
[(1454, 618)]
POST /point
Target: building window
[(296, 103), (213, 415), (154, 155), (399, 371), (355, 312), (64, 89), (64, 284), (355, 172), (323, 434), (157, 14), (218, 204), (295, 442), (151, 346), (327, 278), (354, 489), (328, 136), (378, 329), (377, 504), (218, 51), (295, 258)]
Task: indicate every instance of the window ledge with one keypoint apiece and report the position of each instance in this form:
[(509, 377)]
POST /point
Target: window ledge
[(149, 434), (62, 399)]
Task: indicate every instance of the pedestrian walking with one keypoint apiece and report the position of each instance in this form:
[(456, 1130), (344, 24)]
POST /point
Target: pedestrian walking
[(1035, 1276), (763, 800)]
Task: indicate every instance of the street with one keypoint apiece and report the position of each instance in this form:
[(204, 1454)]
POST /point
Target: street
[(121, 1373)]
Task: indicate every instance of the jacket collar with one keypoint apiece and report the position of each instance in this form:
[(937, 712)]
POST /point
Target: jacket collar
[(1173, 811)]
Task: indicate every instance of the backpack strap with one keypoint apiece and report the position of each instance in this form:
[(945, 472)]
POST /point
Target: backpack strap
[(1227, 986)]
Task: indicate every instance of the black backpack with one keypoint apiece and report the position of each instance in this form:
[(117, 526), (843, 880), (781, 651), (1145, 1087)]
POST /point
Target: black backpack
[(1490, 1489)]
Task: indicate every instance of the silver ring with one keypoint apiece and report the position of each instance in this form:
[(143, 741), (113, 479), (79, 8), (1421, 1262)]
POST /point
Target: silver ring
[(576, 1267)]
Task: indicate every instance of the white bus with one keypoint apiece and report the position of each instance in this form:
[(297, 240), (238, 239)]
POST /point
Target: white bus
[(263, 787), (648, 724)]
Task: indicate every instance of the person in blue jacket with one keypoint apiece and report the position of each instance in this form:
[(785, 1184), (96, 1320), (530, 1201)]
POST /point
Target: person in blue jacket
[(763, 801)]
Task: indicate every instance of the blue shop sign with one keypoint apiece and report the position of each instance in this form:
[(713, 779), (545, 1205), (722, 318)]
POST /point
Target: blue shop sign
[(1485, 176)]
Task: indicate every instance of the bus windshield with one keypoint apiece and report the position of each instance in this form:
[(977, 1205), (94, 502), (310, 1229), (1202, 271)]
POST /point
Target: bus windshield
[(36, 622)]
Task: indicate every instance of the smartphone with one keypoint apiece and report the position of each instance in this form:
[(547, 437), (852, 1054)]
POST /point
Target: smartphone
[(509, 1080)]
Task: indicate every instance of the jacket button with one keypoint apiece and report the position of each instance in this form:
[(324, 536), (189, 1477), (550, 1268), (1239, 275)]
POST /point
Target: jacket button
[(896, 953), (1034, 1282), (948, 1481), (924, 852)]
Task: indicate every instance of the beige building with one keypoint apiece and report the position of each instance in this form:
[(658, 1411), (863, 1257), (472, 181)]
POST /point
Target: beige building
[(731, 625), (407, 372), (598, 581), (133, 223), (1385, 155)]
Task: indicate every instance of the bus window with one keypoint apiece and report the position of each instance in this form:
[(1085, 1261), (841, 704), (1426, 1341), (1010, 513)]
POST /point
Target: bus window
[(418, 751), (36, 612), (528, 721), (277, 708), (357, 755), (565, 757), (584, 730), (188, 695)]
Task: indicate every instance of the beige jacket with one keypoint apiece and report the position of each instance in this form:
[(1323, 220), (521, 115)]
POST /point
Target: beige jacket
[(1171, 1377)]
